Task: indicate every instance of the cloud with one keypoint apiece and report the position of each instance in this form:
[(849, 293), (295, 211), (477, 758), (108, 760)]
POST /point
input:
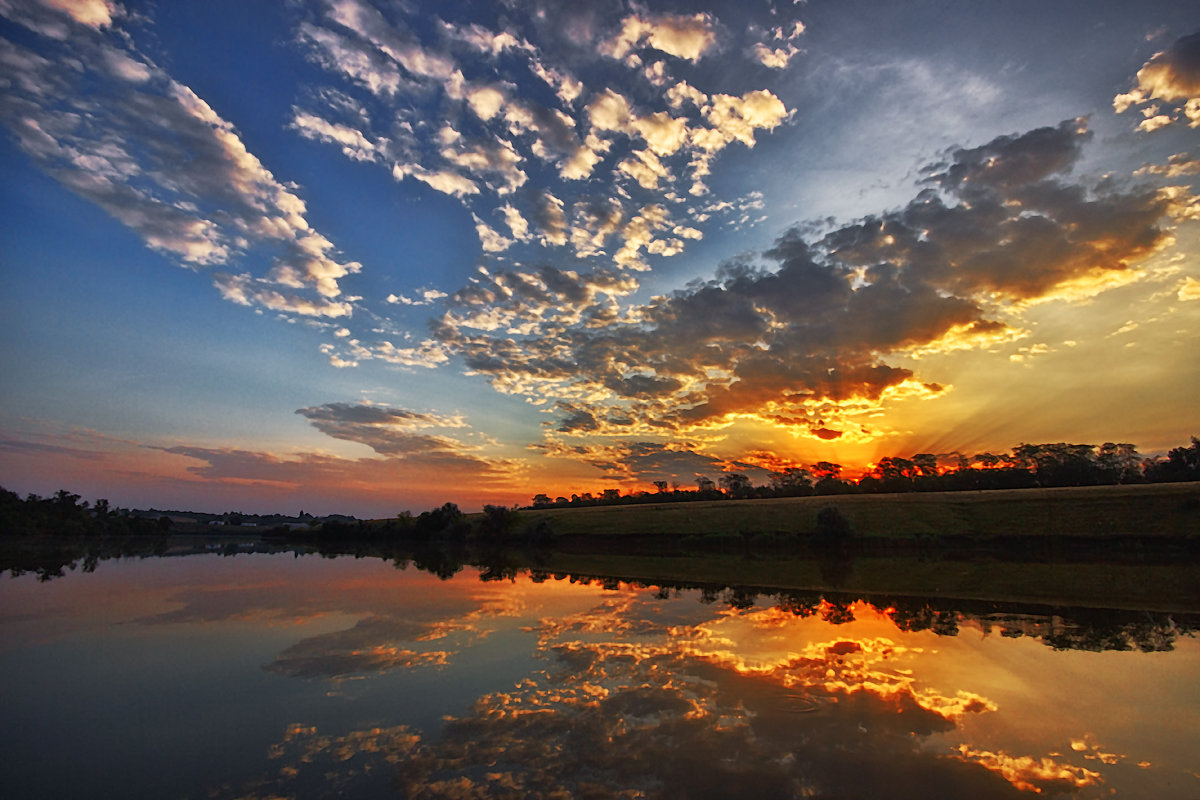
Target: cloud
[(565, 86), (122, 133), (400, 46), (489, 238), (644, 462), (550, 217), (417, 470), (374, 644), (623, 701), (486, 159), (516, 222), (1177, 166), (778, 49), (492, 43), (686, 37), (774, 57), (526, 302), (485, 101), (348, 352), (1173, 77), (354, 144), (357, 60), (59, 19), (248, 291), (808, 341)]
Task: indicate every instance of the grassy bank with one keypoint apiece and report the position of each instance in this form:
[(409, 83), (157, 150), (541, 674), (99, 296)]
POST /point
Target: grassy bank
[(1141, 511)]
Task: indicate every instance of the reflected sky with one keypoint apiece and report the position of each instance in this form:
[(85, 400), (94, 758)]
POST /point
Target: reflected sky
[(272, 676)]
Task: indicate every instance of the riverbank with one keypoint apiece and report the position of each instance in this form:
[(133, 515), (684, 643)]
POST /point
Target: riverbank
[(1144, 511)]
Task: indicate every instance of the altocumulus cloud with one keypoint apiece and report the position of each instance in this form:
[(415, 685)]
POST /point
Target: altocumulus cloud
[(996, 227), (118, 130)]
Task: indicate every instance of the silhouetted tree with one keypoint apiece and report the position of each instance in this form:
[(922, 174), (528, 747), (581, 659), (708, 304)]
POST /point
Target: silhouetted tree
[(925, 464), (792, 482), (496, 521), (1181, 464), (736, 484), (1119, 463)]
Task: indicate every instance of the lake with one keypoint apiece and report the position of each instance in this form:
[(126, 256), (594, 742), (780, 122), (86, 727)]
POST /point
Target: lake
[(279, 675)]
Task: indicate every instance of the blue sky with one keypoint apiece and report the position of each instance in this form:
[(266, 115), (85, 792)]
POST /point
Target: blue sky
[(371, 256)]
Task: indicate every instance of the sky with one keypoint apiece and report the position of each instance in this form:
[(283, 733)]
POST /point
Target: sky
[(364, 257)]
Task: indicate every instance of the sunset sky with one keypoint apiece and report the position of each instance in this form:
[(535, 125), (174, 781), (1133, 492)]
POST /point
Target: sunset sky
[(360, 257)]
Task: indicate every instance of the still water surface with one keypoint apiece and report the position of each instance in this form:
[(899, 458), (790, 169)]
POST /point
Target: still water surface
[(274, 676)]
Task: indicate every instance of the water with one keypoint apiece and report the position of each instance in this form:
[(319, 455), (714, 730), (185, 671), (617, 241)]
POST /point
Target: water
[(269, 676)]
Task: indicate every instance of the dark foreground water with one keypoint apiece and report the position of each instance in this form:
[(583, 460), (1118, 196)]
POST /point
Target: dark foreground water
[(274, 676)]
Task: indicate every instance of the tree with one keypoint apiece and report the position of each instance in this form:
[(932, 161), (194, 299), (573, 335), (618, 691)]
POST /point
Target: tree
[(661, 486), (826, 469), (926, 464), (1119, 463), (891, 468), (1181, 464), (988, 460), (704, 484), (1059, 464), (792, 482), (496, 520), (541, 500), (736, 484)]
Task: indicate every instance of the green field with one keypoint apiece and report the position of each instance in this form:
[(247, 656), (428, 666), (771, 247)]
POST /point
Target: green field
[(1142, 511)]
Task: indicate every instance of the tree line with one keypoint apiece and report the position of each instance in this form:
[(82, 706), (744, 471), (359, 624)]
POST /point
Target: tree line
[(1026, 466), (64, 513)]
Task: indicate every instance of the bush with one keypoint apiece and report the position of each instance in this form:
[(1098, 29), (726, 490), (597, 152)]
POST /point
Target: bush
[(833, 529)]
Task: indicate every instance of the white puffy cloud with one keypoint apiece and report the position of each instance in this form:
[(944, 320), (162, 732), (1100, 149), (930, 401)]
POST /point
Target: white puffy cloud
[(354, 144), (445, 181), (489, 238), (644, 167), (774, 57), (687, 37), (515, 221), (485, 101)]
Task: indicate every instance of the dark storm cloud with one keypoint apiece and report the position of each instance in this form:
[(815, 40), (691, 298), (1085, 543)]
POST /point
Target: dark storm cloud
[(1009, 162)]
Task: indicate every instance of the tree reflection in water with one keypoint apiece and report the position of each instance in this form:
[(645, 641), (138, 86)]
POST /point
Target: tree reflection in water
[(628, 706), (643, 688)]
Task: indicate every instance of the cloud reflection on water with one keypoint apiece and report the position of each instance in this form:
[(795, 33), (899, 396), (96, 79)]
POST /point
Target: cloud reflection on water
[(632, 702)]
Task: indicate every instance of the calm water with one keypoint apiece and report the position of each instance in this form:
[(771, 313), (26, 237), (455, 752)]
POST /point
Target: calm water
[(272, 676)]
